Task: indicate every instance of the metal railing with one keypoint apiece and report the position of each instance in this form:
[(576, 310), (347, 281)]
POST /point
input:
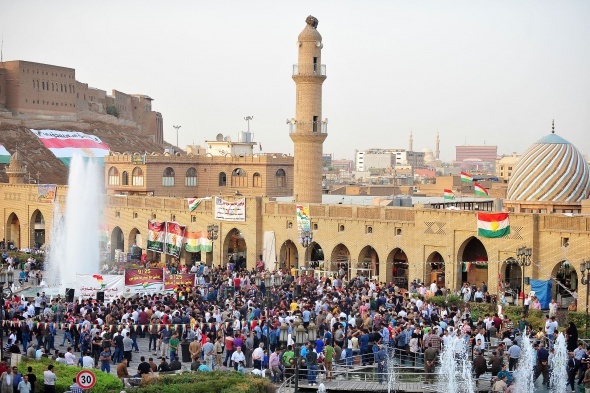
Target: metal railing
[(311, 127), (309, 70)]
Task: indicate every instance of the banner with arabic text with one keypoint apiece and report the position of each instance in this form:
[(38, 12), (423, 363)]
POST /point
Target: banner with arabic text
[(230, 211), (46, 193), (88, 285), (144, 281), (173, 281)]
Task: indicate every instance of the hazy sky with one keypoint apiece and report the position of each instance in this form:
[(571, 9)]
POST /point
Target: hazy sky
[(493, 72)]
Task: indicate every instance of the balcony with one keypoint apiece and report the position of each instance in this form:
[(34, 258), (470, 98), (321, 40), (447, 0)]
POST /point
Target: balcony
[(309, 70), (308, 127)]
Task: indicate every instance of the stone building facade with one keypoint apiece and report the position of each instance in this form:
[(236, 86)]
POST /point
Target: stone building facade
[(45, 91), (199, 175)]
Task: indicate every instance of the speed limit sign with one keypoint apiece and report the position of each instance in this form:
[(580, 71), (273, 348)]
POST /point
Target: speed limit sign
[(86, 379)]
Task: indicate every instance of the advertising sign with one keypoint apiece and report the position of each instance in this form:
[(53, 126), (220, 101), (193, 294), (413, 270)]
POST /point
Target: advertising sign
[(144, 281)]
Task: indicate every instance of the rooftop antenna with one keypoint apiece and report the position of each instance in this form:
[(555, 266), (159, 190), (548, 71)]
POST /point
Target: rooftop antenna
[(553, 126)]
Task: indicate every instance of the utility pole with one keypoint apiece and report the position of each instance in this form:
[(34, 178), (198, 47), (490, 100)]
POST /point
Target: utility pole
[(177, 127)]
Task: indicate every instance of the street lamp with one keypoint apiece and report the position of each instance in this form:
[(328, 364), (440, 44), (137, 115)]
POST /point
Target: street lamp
[(248, 118), (585, 268), (212, 234), (267, 286), (177, 128), (523, 258), (306, 239), (299, 339), (312, 332)]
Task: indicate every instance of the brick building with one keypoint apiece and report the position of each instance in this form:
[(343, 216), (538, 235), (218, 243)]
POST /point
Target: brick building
[(45, 91), (199, 175)]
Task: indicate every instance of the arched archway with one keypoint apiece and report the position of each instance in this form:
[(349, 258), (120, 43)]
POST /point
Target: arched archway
[(13, 232), (340, 259), (474, 262), (117, 242), (313, 257), (511, 276), (135, 242), (398, 268), (288, 255), (37, 226), (367, 263), (565, 283), (235, 249), (435, 270)]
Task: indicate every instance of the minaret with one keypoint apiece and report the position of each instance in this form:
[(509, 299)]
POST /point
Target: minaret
[(16, 171), (437, 150), (411, 142), (308, 131)]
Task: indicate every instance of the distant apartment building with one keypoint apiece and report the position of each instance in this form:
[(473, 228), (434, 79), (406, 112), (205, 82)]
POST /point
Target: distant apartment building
[(36, 90), (387, 158), (505, 166), (476, 158)]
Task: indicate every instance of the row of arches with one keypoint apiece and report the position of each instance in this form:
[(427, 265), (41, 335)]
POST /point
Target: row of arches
[(13, 236), (239, 178)]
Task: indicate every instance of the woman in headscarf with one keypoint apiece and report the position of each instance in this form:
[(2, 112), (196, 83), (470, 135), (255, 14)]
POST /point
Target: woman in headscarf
[(571, 335)]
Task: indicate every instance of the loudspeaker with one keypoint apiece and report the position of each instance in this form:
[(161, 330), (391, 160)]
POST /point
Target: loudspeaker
[(70, 295), (100, 296), (297, 291), (527, 281)]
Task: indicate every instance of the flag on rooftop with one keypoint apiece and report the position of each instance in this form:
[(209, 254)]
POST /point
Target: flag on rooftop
[(480, 190), (466, 177), (449, 194)]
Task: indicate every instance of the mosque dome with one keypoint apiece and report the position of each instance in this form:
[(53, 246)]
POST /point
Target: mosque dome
[(310, 32), (428, 155), (551, 170)]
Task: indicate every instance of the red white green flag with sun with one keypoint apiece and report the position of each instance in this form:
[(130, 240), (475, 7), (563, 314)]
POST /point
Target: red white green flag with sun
[(493, 224)]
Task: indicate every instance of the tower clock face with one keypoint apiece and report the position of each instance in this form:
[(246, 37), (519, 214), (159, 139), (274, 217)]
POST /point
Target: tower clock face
[(319, 45)]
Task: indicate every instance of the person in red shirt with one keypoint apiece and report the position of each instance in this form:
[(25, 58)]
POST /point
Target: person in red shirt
[(237, 283)]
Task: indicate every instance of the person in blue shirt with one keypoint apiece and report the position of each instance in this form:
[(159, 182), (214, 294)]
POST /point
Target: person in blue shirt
[(364, 346)]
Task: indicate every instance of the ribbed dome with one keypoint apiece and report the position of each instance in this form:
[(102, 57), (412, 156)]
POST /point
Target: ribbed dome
[(551, 170)]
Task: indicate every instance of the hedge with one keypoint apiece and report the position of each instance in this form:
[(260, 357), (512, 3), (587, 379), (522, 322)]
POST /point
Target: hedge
[(104, 382), (216, 381)]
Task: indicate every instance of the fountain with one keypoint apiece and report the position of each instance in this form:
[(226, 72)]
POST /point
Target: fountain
[(559, 380), (456, 369), (74, 245), (391, 370), (524, 376)]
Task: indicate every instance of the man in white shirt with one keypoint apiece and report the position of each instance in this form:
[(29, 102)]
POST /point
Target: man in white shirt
[(70, 357), (87, 361), (433, 287), (258, 356)]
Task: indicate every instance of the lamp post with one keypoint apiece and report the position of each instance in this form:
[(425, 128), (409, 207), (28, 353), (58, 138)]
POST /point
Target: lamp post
[(299, 339), (248, 118), (267, 289), (523, 257), (212, 234), (585, 268), (177, 128), (306, 239)]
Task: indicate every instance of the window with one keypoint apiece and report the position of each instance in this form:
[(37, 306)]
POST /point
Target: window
[(281, 178), (117, 214), (369, 229), (125, 177), (168, 177), (256, 180), (239, 178), (137, 176), (135, 215), (340, 228), (222, 179), (191, 177), (113, 176)]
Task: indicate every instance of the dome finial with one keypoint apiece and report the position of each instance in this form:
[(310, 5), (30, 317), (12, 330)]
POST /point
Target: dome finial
[(553, 126)]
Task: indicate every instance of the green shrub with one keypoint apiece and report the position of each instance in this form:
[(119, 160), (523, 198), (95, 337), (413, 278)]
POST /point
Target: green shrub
[(104, 382), (439, 301), (579, 319), (455, 300), (216, 381)]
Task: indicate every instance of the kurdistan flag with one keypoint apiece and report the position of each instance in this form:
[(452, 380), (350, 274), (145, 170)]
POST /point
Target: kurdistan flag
[(198, 241), (480, 190), (4, 155), (449, 194), (63, 144), (493, 224), (466, 177)]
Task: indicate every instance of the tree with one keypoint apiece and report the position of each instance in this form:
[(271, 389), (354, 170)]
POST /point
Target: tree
[(113, 110)]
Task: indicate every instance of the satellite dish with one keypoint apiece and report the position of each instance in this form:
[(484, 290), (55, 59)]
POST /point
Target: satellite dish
[(219, 137)]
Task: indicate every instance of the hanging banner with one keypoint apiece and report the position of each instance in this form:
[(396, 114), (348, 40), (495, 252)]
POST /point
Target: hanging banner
[(230, 211), (156, 233), (303, 221), (173, 281), (46, 193), (174, 238), (63, 144), (144, 281), (198, 241), (88, 285)]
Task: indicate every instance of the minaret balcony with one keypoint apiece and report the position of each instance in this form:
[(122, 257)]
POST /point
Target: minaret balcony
[(308, 127), (309, 70)]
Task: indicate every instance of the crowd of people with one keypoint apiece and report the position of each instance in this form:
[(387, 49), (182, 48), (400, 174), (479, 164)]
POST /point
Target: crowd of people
[(228, 322)]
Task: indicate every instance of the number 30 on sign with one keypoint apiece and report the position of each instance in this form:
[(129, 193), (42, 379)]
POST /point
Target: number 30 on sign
[(86, 379)]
